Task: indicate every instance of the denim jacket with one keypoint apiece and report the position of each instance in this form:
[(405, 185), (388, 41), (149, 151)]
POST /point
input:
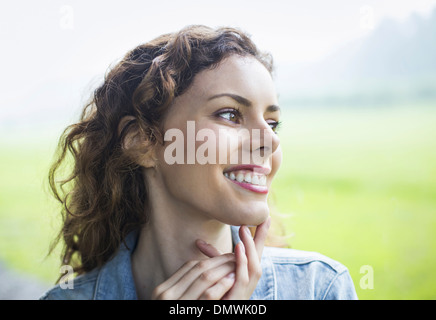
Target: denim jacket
[(287, 274)]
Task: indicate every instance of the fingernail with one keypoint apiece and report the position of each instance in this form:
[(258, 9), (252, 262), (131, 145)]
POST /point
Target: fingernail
[(241, 245), (231, 275), (247, 231), (202, 242)]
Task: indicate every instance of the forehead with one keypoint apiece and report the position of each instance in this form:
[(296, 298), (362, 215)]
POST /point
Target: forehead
[(244, 76)]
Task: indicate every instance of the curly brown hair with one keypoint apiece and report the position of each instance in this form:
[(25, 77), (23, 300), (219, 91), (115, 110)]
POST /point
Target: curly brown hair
[(102, 188)]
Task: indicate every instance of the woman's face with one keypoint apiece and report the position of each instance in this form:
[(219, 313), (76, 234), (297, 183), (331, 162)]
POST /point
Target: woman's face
[(234, 102)]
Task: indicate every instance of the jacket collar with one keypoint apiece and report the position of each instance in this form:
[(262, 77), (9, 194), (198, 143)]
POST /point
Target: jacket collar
[(115, 279)]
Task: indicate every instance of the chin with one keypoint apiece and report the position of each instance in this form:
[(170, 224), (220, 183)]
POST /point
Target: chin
[(251, 216)]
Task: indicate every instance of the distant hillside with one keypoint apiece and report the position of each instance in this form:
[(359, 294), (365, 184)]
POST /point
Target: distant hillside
[(395, 63)]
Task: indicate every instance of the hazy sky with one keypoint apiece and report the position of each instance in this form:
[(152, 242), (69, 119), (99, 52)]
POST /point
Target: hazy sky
[(50, 50)]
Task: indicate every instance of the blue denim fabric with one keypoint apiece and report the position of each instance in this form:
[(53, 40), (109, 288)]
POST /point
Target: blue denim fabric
[(287, 274)]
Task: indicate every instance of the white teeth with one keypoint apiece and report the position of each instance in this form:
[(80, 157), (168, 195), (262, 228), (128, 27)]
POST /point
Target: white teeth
[(262, 181), (247, 177), (240, 177)]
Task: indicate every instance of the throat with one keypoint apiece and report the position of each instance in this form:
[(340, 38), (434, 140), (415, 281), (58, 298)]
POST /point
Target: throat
[(161, 251)]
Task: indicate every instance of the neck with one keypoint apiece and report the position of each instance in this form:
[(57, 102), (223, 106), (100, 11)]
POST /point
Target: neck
[(167, 241)]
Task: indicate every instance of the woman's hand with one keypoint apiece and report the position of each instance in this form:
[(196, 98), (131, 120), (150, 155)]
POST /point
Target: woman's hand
[(248, 253), (206, 279), (221, 276)]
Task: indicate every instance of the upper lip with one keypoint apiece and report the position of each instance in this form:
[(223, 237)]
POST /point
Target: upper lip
[(251, 167)]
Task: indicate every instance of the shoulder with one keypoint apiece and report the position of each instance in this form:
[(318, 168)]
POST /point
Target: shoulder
[(307, 275), (285, 256), (79, 288), (111, 281)]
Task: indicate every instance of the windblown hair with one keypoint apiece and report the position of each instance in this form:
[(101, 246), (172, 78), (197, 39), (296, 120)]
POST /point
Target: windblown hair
[(102, 188)]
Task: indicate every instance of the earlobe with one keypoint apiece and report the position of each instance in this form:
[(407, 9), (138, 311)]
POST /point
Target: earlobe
[(124, 127), (147, 160), (135, 143)]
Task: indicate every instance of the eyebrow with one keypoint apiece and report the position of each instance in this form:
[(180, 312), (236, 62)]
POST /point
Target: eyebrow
[(243, 101)]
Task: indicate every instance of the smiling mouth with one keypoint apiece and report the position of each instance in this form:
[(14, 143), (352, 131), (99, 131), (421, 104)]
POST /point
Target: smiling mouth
[(246, 176), (249, 180)]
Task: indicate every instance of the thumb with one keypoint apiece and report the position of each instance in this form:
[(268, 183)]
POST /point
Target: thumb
[(260, 236)]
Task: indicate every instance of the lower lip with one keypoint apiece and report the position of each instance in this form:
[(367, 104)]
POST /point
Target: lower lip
[(249, 186)]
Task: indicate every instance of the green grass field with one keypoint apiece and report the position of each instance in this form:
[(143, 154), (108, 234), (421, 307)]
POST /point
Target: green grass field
[(356, 185), (360, 187)]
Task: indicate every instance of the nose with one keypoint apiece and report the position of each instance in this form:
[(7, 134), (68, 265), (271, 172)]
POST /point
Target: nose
[(263, 141)]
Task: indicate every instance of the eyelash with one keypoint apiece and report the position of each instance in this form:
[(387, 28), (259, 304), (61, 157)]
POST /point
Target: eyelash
[(275, 126)]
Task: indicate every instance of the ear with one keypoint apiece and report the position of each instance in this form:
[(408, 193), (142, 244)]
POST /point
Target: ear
[(136, 143)]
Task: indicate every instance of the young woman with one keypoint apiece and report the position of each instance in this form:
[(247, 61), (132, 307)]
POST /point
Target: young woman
[(172, 160)]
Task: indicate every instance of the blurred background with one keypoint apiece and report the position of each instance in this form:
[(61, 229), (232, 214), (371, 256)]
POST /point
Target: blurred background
[(357, 86)]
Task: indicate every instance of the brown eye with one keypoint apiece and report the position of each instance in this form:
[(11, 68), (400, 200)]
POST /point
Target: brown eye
[(230, 115)]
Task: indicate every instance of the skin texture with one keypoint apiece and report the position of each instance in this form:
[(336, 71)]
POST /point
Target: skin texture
[(185, 250)]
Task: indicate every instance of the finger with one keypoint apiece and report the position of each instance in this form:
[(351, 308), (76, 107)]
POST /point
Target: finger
[(260, 236), (206, 280), (241, 274), (207, 249), (250, 248), (174, 278), (253, 259), (219, 289), (177, 289)]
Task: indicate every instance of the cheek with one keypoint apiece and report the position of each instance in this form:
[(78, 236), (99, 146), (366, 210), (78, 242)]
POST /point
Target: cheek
[(191, 182), (192, 187)]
